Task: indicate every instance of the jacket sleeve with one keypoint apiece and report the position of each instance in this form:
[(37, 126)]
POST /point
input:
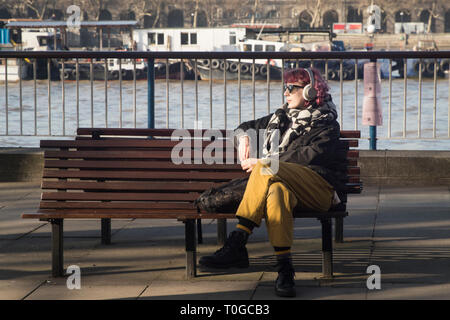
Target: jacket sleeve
[(255, 125), (318, 149)]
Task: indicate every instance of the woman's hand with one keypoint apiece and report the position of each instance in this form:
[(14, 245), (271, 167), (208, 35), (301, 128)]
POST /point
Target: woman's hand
[(244, 148), (248, 164)]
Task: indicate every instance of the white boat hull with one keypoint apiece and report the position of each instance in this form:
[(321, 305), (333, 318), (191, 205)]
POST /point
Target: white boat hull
[(13, 73)]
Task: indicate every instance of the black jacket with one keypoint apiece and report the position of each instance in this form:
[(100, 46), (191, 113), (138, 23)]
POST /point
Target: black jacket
[(319, 149)]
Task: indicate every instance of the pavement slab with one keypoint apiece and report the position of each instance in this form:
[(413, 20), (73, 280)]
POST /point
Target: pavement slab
[(265, 291), (19, 288), (403, 230), (199, 290), (414, 291), (57, 289)]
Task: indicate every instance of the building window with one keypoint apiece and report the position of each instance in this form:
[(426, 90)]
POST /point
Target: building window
[(247, 47), (258, 47), (160, 38), (272, 14), (151, 38), (188, 38), (184, 38), (193, 38), (155, 38), (232, 38)]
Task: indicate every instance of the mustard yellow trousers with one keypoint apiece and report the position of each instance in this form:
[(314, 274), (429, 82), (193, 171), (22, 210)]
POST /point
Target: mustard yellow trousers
[(275, 189)]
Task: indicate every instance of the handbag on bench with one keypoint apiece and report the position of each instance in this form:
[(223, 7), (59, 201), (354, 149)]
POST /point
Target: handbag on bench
[(224, 198)]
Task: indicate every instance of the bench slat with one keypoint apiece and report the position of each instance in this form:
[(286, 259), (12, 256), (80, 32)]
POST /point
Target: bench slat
[(129, 143), (168, 132), (109, 215), (125, 185), (140, 131), (119, 196), (126, 164), (144, 154), (141, 175), (159, 176), (160, 166), (129, 154), (46, 204), (161, 144), (145, 143), (128, 212), (51, 214), (354, 187)]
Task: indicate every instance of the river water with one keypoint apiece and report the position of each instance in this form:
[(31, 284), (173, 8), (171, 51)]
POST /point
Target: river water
[(188, 113)]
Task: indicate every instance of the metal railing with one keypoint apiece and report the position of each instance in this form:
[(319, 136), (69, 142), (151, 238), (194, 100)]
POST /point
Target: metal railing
[(398, 111)]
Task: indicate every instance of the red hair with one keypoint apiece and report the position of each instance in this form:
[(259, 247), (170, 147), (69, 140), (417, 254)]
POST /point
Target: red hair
[(302, 76)]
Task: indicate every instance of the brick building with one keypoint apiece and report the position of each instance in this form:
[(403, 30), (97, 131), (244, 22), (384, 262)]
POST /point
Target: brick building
[(210, 13)]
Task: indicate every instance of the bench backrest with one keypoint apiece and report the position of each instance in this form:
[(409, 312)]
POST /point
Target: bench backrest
[(122, 173)]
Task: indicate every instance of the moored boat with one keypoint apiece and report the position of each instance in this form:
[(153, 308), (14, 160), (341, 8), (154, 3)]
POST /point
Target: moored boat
[(235, 69)]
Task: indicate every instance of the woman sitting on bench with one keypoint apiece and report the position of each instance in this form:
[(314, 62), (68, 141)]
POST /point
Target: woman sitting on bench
[(298, 171)]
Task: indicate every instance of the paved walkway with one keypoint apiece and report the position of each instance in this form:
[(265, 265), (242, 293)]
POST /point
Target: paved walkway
[(404, 231)]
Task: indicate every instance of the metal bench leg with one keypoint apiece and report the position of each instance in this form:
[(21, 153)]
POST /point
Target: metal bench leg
[(221, 231), (106, 231), (57, 248), (339, 230), (191, 249), (199, 231), (327, 249)]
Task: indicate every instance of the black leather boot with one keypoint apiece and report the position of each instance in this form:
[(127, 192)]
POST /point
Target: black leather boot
[(232, 254), (285, 284)]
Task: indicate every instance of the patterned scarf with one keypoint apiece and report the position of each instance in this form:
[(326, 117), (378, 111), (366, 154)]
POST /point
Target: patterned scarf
[(302, 120)]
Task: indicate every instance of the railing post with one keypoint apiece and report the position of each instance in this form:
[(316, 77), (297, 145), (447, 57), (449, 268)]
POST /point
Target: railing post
[(373, 129), (373, 138), (151, 92)]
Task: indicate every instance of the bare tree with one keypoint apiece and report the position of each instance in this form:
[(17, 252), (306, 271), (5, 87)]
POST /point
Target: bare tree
[(93, 6), (157, 6), (317, 13), (9, 5), (255, 9), (194, 22), (432, 15), (38, 6), (209, 6), (150, 8)]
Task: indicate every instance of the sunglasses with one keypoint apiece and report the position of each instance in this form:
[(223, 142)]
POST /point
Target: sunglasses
[(291, 87)]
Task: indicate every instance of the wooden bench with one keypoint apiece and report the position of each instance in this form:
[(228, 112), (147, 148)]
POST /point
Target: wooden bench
[(129, 173)]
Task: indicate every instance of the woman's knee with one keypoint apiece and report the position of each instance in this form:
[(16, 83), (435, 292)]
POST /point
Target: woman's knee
[(276, 189), (280, 202), (279, 192)]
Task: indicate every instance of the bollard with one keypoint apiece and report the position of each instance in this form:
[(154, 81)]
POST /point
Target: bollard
[(372, 112), (373, 138), (151, 93)]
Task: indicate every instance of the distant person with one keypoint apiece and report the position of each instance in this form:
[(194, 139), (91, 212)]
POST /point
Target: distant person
[(306, 179)]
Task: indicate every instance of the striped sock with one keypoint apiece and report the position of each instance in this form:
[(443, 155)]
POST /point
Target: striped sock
[(246, 225), (244, 228), (282, 252)]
